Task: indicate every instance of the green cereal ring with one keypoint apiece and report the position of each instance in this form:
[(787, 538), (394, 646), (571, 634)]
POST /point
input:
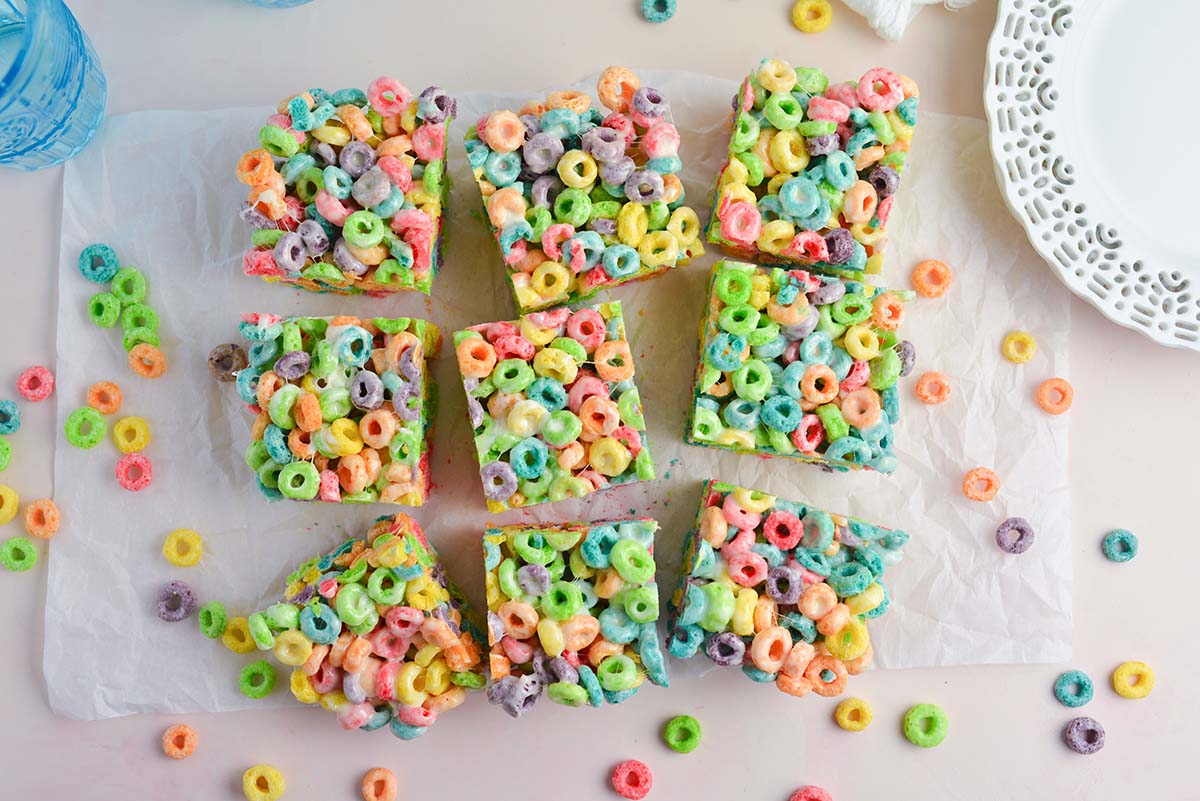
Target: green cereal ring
[(755, 172), (641, 603), (277, 141), (281, 617), (616, 673), (212, 619), (355, 573), (810, 128), (98, 263), (644, 465), (293, 337), (104, 309), (513, 375), (561, 427), (885, 369), (18, 554), (323, 271), (783, 111), (562, 600), (385, 587), (629, 407), (573, 207), (532, 547), (571, 347), (266, 237), (1120, 545), (811, 80), (740, 319), (257, 454), (472, 681), (752, 381), (835, 424), (5, 453), (257, 679), (562, 540), (363, 229), (1073, 688), (851, 308), (136, 336), (308, 184), (632, 561), (560, 692), (129, 285), (733, 286), (682, 734), (85, 428), (745, 133), (432, 177), (260, 632), (139, 315), (925, 725), (391, 325)]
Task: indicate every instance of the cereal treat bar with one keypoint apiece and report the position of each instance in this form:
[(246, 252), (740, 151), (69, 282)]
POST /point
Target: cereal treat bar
[(345, 407), (780, 589), (813, 168), (799, 365), (572, 611), (580, 199), (347, 189), (553, 405), (375, 632)]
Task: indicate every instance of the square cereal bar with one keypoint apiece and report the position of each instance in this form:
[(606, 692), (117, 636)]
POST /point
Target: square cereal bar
[(799, 365), (345, 407), (553, 405), (580, 198), (347, 189), (780, 589), (572, 611), (373, 631), (813, 168)]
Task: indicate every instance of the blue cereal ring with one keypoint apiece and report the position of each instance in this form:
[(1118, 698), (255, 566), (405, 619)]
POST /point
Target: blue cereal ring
[(658, 10), (1120, 545), (10, 417), (98, 263), (621, 261), (1073, 688), (320, 624), (849, 449), (685, 641), (617, 627), (589, 682), (760, 676), (597, 546), (528, 458)]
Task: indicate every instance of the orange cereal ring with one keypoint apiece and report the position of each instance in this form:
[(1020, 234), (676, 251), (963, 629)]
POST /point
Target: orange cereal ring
[(819, 665), (931, 278), (254, 168), (981, 484), (933, 388), (672, 188), (887, 311), (616, 88), (793, 685), (352, 473), (357, 123), (344, 319), (147, 360), (576, 101), (379, 785), (377, 428), (268, 383), (535, 107), (104, 397), (265, 199), (260, 425), (819, 384), (395, 145), (300, 444), (307, 412), (614, 361), (476, 358), (503, 132), (1054, 395), (861, 408), (42, 519), (179, 742)]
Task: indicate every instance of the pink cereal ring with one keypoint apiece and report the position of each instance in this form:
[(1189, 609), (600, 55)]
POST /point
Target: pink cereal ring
[(884, 210), (661, 140), (355, 716), (331, 208), (845, 93), (327, 588), (746, 93), (783, 530), (385, 679), (550, 319), (586, 327), (809, 246), (429, 142), (597, 481), (388, 644), (409, 220), (747, 568), (388, 96), (493, 332), (577, 257), (397, 172), (404, 621), (621, 122), (628, 437), (514, 346), (134, 472), (740, 542), (517, 252), (36, 384), (586, 386), (331, 489), (741, 222), (594, 278), (825, 108), (260, 262), (808, 434), (285, 122), (739, 517), (860, 372), (879, 89), (554, 236), (518, 651), (416, 716)]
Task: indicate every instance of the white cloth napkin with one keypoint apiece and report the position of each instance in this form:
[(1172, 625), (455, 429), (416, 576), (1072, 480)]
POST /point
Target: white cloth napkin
[(890, 18)]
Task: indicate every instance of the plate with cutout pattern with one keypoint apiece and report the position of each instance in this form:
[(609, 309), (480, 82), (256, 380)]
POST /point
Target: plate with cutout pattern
[(1093, 122)]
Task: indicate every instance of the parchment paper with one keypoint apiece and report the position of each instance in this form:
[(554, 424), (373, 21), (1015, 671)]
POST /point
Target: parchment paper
[(159, 187)]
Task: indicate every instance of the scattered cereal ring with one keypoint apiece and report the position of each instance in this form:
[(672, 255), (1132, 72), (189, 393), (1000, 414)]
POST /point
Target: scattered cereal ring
[(812, 16), (98, 263), (104, 309), (257, 679), (5, 453), (134, 472), (147, 361), (925, 725), (18, 554), (35, 384), (183, 547), (682, 734), (42, 519), (810, 792), (1073, 688), (236, 636), (933, 388), (1084, 735), (175, 601), (632, 779), (379, 785), (263, 783), (853, 714), (85, 428), (10, 417), (9, 500), (981, 484), (104, 397), (1119, 545), (931, 278), (129, 285), (179, 742), (1133, 680), (1019, 347), (1014, 535), (658, 11), (212, 620), (1054, 395), (131, 434), (226, 361)]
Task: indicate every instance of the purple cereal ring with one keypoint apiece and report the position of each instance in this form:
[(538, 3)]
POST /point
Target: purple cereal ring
[(356, 158), (474, 412), (366, 391), (644, 186), (402, 397), (435, 104), (290, 253), (1014, 535), (532, 123), (885, 180), (541, 667), (324, 151), (304, 596), (784, 584), (371, 188), (840, 243), (822, 145), (293, 365), (315, 240), (908, 357), (848, 538), (534, 579), (725, 649), (524, 694), (499, 481), (542, 152), (617, 171), (604, 144), (1084, 735), (176, 601), (563, 671), (545, 189), (603, 226), (650, 102), (346, 260), (408, 366), (255, 218), (499, 691), (495, 627)]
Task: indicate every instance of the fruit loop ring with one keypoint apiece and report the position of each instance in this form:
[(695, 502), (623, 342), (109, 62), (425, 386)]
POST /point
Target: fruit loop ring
[(263, 783), (632, 779), (257, 679), (981, 484), (10, 417), (212, 620), (853, 714), (1055, 395), (42, 519), (236, 636), (147, 361), (175, 601), (682, 734), (1119, 545), (379, 785), (5, 454), (1133, 680), (933, 388), (36, 384), (1084, 735), (1019, 347), (1073, 688), (9, 501), (658, 10), (226, 361), (1014, 535), (179, 742), (812, 16), (131, 434), (104, 397), (85, 428), (810, 793), (134, 472), (925, 725), (931, 278), (18, 554), (183, 547), (98, 263)]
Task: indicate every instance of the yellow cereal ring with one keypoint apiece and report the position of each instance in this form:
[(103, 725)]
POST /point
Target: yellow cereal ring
[(658, 248), (292, 648), (263, 783), (788, 153), (183, 547), (1133, 680), (551, 280), (9, 500), (812, 16), (735, 172), (237, 636), (410, 685), (577, 169), (302, 689), (744, 605), (775, 236), (776, 75), (632, 223), (685, 225), (853, 714), (334, 135), (1019, 347), (131, 434)]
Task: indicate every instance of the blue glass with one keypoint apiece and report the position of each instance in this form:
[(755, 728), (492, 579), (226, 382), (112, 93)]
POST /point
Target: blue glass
[(278, 3), (52, 92)]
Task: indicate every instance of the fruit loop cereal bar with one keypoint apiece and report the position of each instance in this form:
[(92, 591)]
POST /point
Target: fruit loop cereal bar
[(375, 632), (553, 404), (798, 365), (813, 167), (581, 198), (346, 189), (780, 589), (571, 612), (344, 405)]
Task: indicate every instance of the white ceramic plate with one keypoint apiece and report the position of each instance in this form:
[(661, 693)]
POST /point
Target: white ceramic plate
[(1095, 126)]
